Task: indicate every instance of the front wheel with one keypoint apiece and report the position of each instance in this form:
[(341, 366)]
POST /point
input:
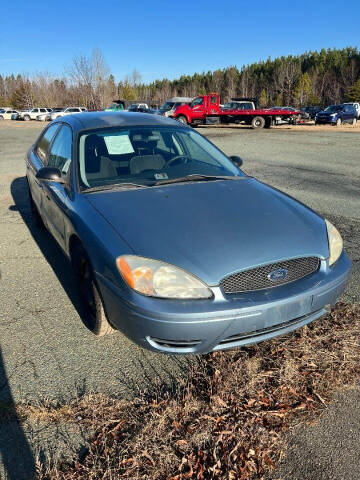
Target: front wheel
[(90, 300), (354, 122), (1, 117), (26, 118), (258, 122), (182, 119), (338, 122)]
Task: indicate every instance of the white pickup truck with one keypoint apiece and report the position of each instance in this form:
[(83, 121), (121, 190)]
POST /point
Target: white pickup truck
[(32, 113)]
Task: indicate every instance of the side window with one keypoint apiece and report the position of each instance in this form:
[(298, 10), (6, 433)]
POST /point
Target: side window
[(198, 101), (35, 110), (213, 100), (43, 110), (60, 152), (44, 142)]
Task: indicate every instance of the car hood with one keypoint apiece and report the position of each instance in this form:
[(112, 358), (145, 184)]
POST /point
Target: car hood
[(213, 228)]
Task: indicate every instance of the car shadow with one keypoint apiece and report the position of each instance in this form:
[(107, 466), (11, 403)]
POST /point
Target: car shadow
[(48, 247), (18, 462)]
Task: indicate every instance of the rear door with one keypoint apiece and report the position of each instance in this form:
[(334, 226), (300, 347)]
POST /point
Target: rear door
[(56, 195), (36, 159)]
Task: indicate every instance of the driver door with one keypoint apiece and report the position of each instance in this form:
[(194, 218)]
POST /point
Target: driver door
[(56, 195), (198, 107)]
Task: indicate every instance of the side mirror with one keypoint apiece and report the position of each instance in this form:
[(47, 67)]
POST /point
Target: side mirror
[(50, 174), (237, 160)]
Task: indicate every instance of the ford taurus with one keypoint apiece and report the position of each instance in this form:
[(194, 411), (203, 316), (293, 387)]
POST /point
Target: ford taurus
[(171, 242)]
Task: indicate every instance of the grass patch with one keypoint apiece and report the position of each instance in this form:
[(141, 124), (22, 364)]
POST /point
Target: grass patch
[(227, 419)]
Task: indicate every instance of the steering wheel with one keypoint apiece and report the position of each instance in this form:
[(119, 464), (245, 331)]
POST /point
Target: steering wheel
[(185, 159)]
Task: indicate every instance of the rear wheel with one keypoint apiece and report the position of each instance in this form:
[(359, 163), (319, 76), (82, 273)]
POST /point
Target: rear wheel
[(91, 303), (354, 122), (268, 122), (26, 118), (258, 122), (1, 117), (182, 119), (338, 122)]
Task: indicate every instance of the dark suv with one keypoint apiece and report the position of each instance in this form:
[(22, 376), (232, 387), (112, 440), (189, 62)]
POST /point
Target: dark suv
[(337, 114)]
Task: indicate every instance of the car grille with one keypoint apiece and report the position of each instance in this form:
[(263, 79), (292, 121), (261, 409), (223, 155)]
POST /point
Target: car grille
[(258, 278)]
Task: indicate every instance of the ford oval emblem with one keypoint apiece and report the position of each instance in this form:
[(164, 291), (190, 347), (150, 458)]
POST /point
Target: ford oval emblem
[(277, 275)]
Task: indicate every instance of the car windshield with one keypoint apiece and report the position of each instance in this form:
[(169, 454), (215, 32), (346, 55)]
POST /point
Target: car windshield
[(147, 155), (333, 108), (2, 110), (167, 106)]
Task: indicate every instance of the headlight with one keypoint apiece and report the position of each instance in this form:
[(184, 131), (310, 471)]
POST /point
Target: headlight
[(159, 279), (335, 242)]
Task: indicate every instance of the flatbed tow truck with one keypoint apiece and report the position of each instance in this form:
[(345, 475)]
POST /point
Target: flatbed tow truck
[(206, 110)]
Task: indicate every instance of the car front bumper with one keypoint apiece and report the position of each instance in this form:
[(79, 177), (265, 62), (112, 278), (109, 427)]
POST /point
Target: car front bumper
[(225, 321)]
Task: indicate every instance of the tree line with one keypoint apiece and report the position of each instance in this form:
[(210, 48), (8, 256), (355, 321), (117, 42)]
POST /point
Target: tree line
[(313, 78)]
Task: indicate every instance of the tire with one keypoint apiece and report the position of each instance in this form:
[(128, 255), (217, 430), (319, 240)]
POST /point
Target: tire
[(338, 122), (35, 213), (26, 118), (182, 119), (354, 122), (91, 303), (316, 123), (258, 122), (268, 122), (1, 117)]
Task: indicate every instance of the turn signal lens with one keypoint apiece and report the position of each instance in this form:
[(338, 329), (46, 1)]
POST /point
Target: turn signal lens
[(159, 279)]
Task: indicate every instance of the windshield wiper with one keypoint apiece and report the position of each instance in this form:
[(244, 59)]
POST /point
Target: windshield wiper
[(197, 177), (114, 186)]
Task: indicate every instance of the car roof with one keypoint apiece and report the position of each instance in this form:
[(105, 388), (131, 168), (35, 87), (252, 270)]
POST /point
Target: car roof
[(94, 120)]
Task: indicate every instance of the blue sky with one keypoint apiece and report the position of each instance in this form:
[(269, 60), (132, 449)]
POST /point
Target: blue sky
[(167, 38)]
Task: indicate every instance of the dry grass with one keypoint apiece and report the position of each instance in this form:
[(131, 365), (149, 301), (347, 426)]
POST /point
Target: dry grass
[(227, 419)]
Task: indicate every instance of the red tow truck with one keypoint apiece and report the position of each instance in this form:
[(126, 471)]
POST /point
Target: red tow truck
[(206, 110)]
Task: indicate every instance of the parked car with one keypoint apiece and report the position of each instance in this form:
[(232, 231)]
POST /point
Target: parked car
[(32, 113), (116, 106), (7, 113), (135, 107), (243, 104), (337, 114), (141, 109), (355, 105), (279, 119), (168, 108), (67, 111), (45, 117), (308, 113), (171, 242)]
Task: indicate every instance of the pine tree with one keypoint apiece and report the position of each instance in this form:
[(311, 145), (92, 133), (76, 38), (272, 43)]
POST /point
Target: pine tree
[(263, 98), (353, 93), (303, 90)]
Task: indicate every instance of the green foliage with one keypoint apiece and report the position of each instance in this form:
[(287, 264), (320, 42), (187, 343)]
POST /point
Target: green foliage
[(303, 90), (324, 77), (353, 93), (263, 99)]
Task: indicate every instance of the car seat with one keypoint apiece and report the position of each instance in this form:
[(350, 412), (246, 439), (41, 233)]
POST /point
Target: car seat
[(97, 164), (146, 159)]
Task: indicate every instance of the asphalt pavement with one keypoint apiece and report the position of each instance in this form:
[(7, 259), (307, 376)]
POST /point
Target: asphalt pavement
[(45, 350)]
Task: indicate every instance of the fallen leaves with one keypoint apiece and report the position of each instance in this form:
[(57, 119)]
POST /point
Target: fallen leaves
[(228, 418)]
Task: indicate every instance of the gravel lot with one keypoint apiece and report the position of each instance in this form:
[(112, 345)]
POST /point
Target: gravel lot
[(48, 353)]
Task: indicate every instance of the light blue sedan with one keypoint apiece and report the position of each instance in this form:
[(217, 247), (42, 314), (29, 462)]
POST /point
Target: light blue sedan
[(171, 242)]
